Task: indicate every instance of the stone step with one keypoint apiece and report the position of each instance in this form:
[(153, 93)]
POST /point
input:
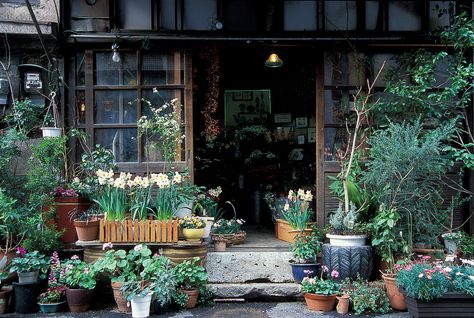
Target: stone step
[(256, 290), (249, 267), (251, 274)]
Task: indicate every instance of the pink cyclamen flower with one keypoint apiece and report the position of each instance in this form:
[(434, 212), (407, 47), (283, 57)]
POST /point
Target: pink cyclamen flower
[(334, 274), (106, 246), (86, 271), (21, 251), (138, 247)]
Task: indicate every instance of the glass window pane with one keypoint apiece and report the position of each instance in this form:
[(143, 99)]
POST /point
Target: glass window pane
[(163, 68), (343, 69), (115, 107), (122, 142), (167, 9), (335, 139), (80, 115), (436, 18), (135, 15), (340, 15), (404, 15), (300, 15), (159, 97), (80, 66), (108, 72), (377, 62), (199, 14), (338, 107), (374, 16)]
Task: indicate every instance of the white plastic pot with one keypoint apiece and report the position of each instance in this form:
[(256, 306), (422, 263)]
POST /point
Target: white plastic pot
[(207, 230), (51, 132), (28, 277), (347, 240), (141, 306)]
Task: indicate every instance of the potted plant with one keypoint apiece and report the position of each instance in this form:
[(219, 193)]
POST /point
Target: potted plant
[(53, 299), (28, 266), (451, 241), (305, 250), (190, 276), (346, 230), (436, 287), (193, 228), (390, 245), (51, 117), (366, 297), (208, 206), (67, 201), (5, 292), (228, 230), (319, 293), (296, 213), (86, 223), (79, 278)]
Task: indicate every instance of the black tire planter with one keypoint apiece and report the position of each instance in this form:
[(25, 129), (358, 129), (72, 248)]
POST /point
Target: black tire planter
[(25, 297), (450, 305), (349, 261)]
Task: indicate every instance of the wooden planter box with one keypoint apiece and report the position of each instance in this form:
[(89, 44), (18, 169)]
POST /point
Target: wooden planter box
[(285, 233), (450, 305), (128, 231)]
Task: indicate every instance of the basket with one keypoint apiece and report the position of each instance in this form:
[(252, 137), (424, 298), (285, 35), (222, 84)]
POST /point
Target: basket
[(231, 239)]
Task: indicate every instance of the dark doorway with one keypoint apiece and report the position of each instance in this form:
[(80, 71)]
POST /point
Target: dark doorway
[(267, 115)]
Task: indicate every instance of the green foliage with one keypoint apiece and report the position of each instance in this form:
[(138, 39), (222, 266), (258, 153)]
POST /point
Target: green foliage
[(297, 211), (386, 237), (12, 229), (462, 279), (26, 116), (40, 237), (189, 274), (78, 274), (406, 167), (306, 247), (29, 262), (180, 299), (224, 226), (320, 286), (206, 297), (367, 297), (346, 223), (466, 245)]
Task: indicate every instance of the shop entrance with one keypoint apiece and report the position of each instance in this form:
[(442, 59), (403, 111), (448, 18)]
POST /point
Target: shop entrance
[(268, 127)]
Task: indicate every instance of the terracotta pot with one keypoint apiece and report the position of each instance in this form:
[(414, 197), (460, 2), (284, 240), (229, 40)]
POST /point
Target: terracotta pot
[(79, 300), (285, 233), (119, 298), (192, 297), (320, 302), (220, 246), (397, 299), (343, 304), (193, 235), (87, 230), (64, 207)]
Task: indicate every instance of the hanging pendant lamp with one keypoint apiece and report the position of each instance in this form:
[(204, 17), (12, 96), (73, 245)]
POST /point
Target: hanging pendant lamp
[(273, 61)]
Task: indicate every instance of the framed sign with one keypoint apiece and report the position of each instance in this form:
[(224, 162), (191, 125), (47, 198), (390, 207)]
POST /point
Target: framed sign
[(247, 107)]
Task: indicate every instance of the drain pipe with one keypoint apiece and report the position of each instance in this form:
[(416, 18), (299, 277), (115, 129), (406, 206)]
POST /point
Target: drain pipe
[(38, 29)]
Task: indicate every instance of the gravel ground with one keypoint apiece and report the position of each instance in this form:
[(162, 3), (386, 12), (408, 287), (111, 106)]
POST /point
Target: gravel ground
[(220, 310)]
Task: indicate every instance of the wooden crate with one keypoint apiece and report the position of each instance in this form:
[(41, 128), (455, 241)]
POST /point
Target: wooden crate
[(128, 231)]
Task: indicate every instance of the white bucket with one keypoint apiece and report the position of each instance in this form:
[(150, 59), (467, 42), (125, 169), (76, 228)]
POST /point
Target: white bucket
[(207, 230), (141, 306)]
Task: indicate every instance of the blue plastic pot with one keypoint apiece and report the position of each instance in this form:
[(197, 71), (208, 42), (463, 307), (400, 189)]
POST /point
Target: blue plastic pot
[(299, 271)]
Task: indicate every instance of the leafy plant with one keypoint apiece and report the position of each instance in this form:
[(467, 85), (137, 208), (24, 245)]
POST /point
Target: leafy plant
[(223, 226), (306, 247), (189, 274), (348, 223), (41, 236), (28, 262), (12, 230), (320, 285), (367, 297), (78, 274), (386, 237), (297, 211), (26, 116), (423, 282), (112, 198), (56, 291), (466, 245)]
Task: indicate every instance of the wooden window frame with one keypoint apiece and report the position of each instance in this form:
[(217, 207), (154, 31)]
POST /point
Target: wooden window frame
[(89, 126)]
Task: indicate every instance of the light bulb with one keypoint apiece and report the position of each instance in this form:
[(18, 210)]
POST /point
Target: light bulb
[(116, 57)]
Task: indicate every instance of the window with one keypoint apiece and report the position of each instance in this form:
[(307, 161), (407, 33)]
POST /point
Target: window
[(119, 94)]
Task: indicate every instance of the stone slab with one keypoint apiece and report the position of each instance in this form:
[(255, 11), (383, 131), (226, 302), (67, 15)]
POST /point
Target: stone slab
[(256, 290), (249, 267)]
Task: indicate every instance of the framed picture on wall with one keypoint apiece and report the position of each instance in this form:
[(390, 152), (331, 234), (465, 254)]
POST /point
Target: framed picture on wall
[(301, 122), (246, 107), (301, 139)]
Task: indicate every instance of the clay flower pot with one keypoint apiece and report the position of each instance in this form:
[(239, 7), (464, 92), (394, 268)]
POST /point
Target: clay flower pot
[(343, 304), (119, 298), (87, 230), (4, 299), (318, 302), (79, 300), (192, 297), (397, 299), (220, 246)]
